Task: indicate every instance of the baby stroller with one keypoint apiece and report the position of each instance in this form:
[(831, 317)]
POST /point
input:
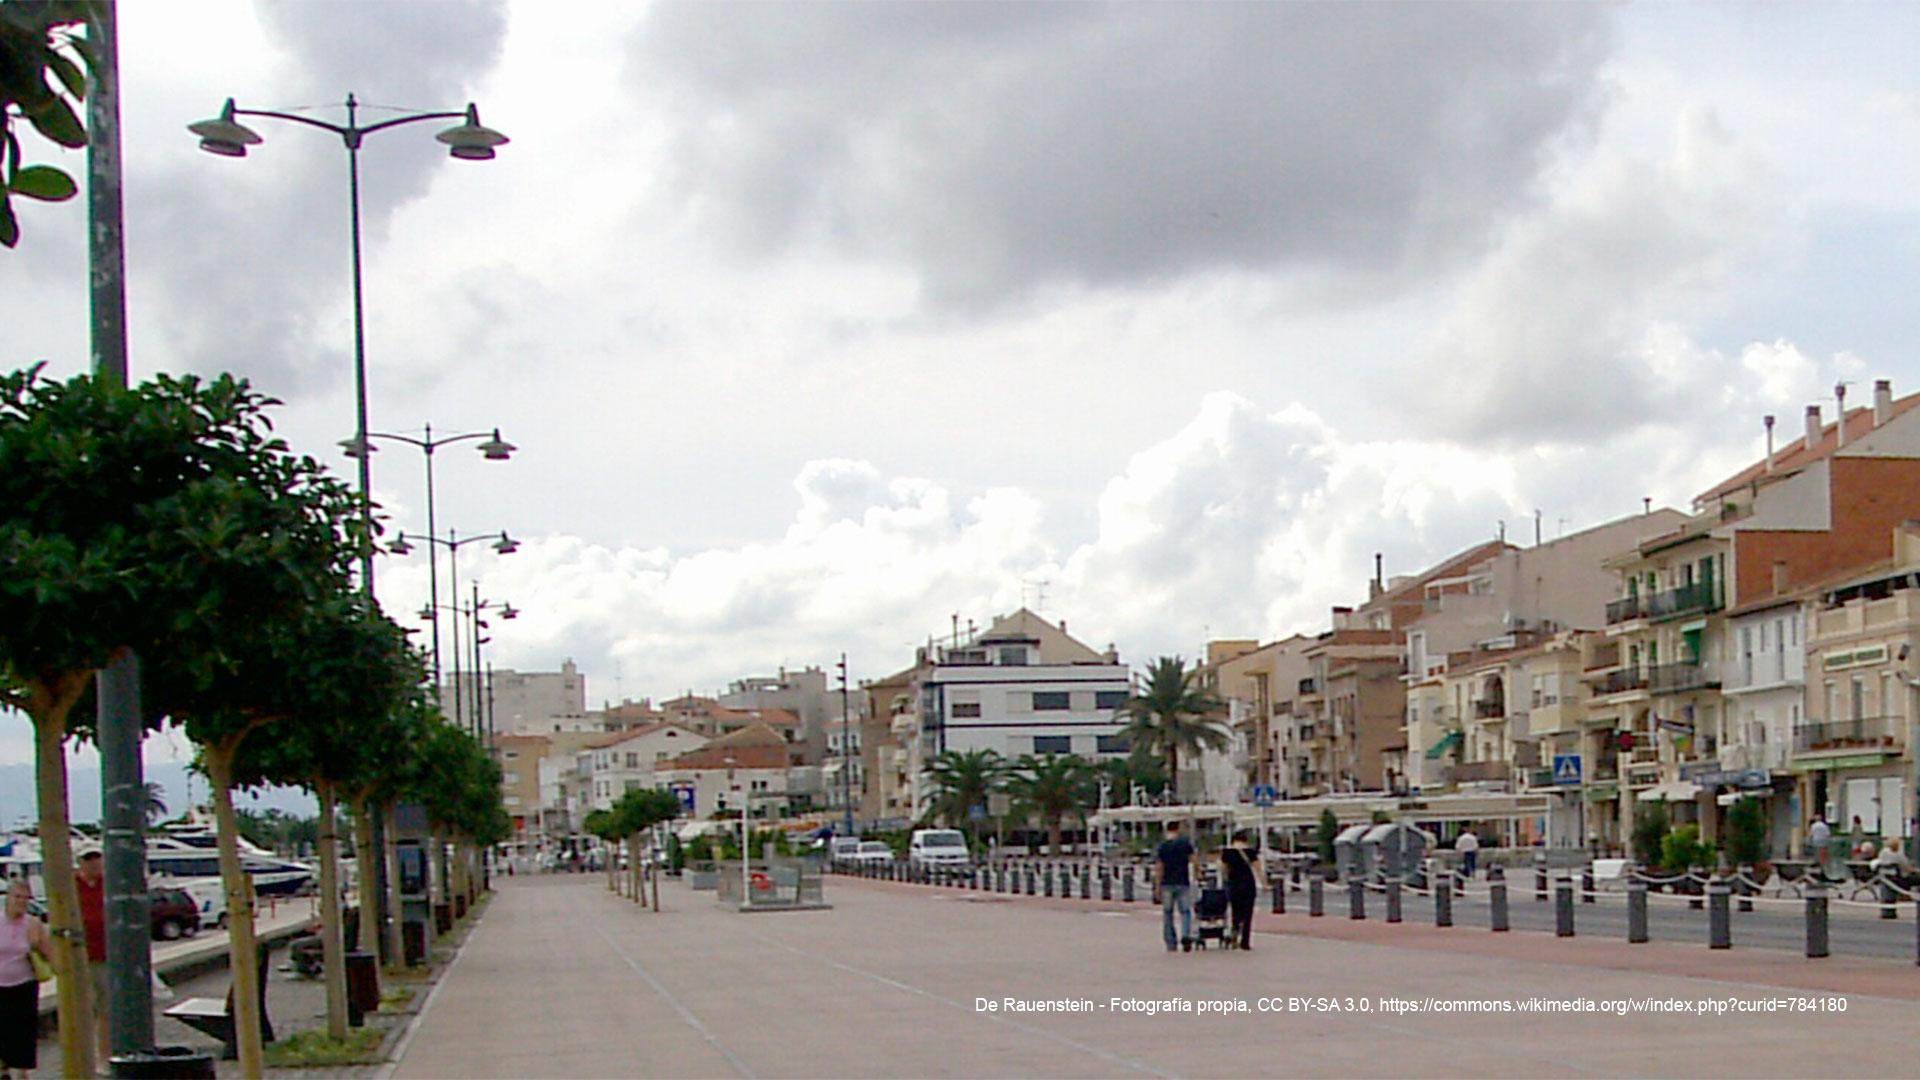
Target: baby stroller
[(1210, 917)]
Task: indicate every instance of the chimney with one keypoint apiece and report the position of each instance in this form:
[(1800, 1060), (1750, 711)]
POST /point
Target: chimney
[(1882, 401), (1840, 428), (1342, 618), (1376, 587), (1813, 426), (1779, 577), (1768, 420)]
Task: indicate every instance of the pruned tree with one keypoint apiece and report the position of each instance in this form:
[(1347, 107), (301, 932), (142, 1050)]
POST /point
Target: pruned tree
[(1169, 714), (162, 518), (1051, 786), (40, 82)]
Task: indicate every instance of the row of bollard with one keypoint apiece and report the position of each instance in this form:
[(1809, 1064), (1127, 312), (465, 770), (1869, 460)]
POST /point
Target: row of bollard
[(1718, 901)]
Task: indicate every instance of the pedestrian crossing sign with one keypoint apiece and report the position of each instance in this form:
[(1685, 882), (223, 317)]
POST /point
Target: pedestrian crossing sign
[(1566, 768)]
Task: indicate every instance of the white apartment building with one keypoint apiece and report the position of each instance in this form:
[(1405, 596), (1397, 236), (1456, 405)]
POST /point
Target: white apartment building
[(526, 702)]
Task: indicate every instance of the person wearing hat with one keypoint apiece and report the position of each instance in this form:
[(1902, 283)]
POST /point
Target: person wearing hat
[(93, 920)]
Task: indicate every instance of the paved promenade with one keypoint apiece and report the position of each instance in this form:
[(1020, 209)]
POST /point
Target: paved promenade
[(563, 979)]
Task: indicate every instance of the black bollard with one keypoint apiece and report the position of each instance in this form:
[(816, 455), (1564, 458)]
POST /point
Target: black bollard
[(1356, 898), (1586, 886), (1031, 883), (1277, 885), (1106, 884), (1563, 907), (1443, 901), (1694, 890), (1393, 898), (1496, 900), (1540, 878), (1126, 882), (1744, 888), (1316, 896), (1636, 911), (1086, 883), (1817, 920), (1887, 910), (1719, 915), (1049, 879)]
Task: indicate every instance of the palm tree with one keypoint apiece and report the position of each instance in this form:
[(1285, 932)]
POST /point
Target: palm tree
[(1052, 786), (1168, 715), (963, 781), (1141, 770), (156, 799)]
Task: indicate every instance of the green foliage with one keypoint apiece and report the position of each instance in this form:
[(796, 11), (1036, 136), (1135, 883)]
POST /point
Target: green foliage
[(39, 82), (1650, 834), (643, 808), (1747, 832), (1050, 787), (728, 847), (1169, 715), (1325, 835), (310, 1049), (1137, 769), (962, 782), (700, 849), (1683, 849)]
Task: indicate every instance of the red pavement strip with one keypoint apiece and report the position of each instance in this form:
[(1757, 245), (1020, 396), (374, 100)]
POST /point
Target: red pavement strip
[(1758, 967)]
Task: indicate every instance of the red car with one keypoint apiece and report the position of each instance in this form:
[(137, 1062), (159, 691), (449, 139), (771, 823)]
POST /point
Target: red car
[(175, 915)]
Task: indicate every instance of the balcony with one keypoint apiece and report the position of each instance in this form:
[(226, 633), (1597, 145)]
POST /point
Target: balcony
[(1699, 597), (1309, 687), (1482, 772), (1490, 709), (1622, 681), (1866, 733), (1605, 655), (1681, 678)]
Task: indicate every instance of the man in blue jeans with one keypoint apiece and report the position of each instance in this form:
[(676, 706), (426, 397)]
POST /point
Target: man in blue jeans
[(1173, 876)]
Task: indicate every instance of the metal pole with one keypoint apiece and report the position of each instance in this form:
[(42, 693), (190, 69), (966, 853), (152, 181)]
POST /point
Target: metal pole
[(129, 1004), (453, 594), (433, 558), (352, 138), (478, 716), (846, 748)]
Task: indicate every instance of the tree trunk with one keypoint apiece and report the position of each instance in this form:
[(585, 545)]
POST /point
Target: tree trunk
[(365, 860), (49, 706), (1173, 773), (240, 943), (396, 949), (333, 948), (1053, 835)]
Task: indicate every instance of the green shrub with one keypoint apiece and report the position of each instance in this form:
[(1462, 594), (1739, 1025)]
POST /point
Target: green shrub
[(1328, 832), (1683, 849), (1650, 835), (1747, 832)]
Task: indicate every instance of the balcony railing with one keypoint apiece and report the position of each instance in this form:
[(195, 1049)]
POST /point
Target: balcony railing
[(1481, 771), (1685, 600), (1489, 709), (1309, 686), (1866, 733), (1680, 678), (1605, 656), (1619, 682)]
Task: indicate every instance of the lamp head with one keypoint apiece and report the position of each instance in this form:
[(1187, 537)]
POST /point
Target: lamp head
[(357, 447), (470, 141), (506, 545), (426, 612), (496, 448), (400, 545), (508, 611), (224, 135)]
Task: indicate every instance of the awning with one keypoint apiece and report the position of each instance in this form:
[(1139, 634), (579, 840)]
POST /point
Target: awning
[(1446, 743), (1673, 791)]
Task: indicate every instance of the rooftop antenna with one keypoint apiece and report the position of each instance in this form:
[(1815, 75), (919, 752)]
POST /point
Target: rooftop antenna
[(1840, 426), (1536, 526)]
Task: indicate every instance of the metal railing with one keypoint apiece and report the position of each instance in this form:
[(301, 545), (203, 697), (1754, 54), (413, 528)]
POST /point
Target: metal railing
[(1680, 678), (1685, 600), (1866, 732)]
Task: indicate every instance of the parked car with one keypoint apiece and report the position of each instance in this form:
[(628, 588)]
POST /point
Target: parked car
[(175, 914), (872, 852), (943, 848), (843, 847)]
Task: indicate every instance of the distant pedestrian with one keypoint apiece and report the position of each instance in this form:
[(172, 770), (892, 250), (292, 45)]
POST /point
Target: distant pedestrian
[(1469, 848), (1819, 838), (90, 879), (1173, 880), (20, 934), (1242, 887)]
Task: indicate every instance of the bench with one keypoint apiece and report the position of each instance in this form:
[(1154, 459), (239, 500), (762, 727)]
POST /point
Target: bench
[(1609, 872), (209, 1016)]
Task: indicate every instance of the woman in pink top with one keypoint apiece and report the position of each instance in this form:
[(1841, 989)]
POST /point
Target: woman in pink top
[(19, 990)]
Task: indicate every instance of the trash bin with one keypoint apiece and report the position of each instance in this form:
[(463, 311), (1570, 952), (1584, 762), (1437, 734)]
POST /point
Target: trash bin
[(164, 1063), (442, 918), (413, 942), (363, 985), (1349, 856)]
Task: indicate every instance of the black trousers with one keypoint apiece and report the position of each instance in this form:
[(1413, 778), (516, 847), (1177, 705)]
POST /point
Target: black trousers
[(1241, 906), (19, 1025)]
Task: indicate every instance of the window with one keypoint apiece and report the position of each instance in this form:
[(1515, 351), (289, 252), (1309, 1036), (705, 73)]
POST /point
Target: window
[(1052, 701), (633, 760), (1013, 656), (1112, 744), (509, 778), (1053, 744), (1859, 697), (965, 709), (1108, 700)]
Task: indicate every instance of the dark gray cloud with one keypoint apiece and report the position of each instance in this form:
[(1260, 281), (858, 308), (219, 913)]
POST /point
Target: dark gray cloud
[(1001, 146), (243, 265)]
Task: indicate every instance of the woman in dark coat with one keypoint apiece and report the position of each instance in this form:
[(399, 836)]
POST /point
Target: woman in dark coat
[(1237, 861)]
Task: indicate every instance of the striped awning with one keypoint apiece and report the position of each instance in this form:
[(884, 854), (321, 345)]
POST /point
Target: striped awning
[(1447, 742)]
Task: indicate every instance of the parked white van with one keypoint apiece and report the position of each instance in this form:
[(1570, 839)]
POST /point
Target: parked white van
[(938, 847)]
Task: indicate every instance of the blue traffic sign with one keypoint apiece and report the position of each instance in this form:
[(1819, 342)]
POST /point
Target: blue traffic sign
[(1264, 795), (1566, 768)]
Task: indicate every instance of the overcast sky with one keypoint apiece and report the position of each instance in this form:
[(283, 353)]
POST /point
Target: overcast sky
[(817, 324)]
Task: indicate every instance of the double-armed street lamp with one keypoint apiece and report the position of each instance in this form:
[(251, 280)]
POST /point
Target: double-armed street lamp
[(492, 447), (501, 544), (226, 136)]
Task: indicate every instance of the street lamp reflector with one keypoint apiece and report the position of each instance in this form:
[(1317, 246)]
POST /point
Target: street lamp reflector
[(470, 141), (400, 545), (356, 447), (508, 611), (496, 448), (506, 545), (224, 135), (426, 612)]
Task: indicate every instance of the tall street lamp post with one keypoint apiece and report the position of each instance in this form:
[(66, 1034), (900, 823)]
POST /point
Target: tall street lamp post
[(492, 447)]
